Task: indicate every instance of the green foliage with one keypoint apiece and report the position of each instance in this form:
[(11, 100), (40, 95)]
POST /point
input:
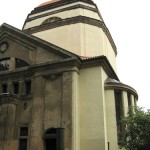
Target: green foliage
[(137, 130)]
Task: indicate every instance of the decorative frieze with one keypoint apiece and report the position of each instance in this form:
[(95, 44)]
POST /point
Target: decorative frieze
[(64, 9), (74, 20), (8, 98)]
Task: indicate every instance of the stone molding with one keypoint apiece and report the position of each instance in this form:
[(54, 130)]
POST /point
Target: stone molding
[(75, 20), (63, 66), (61, 10), (121, 86), (8, 98), (100, 61), (59, 4)]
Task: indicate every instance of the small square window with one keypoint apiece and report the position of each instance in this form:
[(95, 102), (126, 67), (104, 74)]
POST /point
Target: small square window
[(23, 131), (4, 88)]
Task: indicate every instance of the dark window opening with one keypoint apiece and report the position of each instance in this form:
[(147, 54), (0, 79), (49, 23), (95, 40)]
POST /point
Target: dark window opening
[(27, 87), (129, 100), (23, 138), (4, 64), (51, 144), (23, 131), (16, 88), (51, 131), (54, 139), (118, 103), (22, 144), (119, 114), (4, 88), (20, 63)]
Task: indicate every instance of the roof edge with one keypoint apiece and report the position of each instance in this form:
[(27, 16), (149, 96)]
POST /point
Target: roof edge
[(114, 84)]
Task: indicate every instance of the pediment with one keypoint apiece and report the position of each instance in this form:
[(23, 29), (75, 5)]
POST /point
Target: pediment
[(18, 44)]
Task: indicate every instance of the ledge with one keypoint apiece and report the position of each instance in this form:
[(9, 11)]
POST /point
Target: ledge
[(8, 98), (114, 84)]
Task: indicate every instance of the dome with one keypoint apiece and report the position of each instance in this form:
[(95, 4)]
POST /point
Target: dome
[(48, 2)]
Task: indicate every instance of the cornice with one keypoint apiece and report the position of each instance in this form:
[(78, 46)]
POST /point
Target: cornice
[(100, 61), (8, 98), (75, 20), (28, 39), (31, 70), (15, 74), (121, 86), (63, 65), (62, 10)]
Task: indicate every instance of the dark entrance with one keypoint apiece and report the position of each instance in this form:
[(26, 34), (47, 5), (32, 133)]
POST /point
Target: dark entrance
[(50, 144), (54, 139)]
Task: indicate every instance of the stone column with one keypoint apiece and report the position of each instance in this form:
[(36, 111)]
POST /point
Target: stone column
[(9, 88), (111, 119), (21, 87), (12, 63), (125, 103), (36, 124), (132, 101), (8, 121), (67, 109)]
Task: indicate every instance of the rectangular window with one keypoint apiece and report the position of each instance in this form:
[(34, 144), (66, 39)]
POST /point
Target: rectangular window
[(118, 103), (23, 136), (54, 139), (16, 88), (23, 131), (28, 87), (22, 144), (119, 114), (4, 88)]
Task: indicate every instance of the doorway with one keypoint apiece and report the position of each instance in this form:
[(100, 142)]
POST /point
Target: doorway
[(53, 139), (50, 144)]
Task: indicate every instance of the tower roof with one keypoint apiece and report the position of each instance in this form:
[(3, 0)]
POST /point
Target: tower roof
[(51, 2), (48, 2), (57, 3)]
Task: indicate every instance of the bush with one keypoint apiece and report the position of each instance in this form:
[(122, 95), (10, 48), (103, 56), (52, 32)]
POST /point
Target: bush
[(137, 130)]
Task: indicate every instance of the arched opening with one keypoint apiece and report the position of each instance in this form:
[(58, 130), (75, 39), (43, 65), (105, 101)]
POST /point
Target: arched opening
[(4, 64), (12, 63), (54, 138), (21, 63), (51, 139)]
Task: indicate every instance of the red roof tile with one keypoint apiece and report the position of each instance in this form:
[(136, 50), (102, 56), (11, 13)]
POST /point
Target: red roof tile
[(49, 2)]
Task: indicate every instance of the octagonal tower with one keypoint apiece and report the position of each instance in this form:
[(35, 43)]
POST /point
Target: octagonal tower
[(75, 25)]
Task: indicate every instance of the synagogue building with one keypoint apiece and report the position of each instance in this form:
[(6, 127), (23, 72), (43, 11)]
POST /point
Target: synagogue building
[(59, 88)]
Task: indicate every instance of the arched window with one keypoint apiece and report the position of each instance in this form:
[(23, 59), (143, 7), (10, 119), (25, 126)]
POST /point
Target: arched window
[(4, 64), (12, 63), (51, 20), (54, 139), (21, 63)]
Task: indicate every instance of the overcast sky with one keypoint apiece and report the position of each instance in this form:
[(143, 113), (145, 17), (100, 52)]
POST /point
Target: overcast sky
[(129, 24)]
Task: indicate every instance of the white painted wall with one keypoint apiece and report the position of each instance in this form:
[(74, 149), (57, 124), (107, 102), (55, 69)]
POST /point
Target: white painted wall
[(93, 134), (81, 39)]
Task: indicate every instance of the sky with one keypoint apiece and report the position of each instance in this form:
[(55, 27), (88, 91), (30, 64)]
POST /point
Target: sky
[(129, 24)]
